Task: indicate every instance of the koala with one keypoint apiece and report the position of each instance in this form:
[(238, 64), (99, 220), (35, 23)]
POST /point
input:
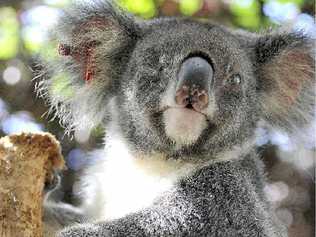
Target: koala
[(180, 100)]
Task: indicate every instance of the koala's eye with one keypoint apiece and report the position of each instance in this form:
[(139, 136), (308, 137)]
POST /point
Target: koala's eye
[(234, 80)]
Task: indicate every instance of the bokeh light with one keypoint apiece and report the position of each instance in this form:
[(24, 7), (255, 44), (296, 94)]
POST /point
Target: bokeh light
[(280, 12), (11, 75), (76, 159), (21, 121), (36, 22)]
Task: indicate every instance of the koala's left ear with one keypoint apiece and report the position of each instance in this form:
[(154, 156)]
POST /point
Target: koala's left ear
[(285, 69)]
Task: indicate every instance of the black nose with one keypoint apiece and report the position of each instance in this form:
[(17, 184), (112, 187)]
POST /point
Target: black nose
[(194, 79)]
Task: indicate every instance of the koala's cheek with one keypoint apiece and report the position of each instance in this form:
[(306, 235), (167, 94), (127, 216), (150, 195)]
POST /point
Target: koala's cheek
[(184, 126)]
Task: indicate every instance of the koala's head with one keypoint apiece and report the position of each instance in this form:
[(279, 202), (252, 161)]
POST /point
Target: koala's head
[(178, 86)]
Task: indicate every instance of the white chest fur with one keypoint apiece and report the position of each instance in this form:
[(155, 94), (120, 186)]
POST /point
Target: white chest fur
[(123, 184)]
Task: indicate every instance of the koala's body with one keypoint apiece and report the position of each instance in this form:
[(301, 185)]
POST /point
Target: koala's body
[(180, 100)]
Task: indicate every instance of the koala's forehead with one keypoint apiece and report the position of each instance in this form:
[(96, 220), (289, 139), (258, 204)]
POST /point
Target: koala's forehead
[(181, 36)]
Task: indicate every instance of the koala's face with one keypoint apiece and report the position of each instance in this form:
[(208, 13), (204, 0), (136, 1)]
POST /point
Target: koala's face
[(178, 86), (189, 88)]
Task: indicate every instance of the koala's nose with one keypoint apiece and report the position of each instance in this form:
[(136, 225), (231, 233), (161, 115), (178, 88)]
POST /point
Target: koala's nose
[(194, 80)]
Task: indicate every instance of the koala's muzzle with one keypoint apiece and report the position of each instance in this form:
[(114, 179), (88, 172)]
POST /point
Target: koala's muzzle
[(194, 80)]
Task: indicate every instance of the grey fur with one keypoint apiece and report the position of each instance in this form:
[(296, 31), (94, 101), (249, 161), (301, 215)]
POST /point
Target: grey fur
[(218, 200), (136, 62)]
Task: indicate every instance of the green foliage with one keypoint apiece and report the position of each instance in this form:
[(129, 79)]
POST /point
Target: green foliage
[(57, 3), (189, 7), (143, 8), (297, 2), (9, 33), (247, 13)]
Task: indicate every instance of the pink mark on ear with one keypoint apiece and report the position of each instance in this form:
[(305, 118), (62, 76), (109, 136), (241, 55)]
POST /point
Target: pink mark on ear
[(84, 56), (64, 50), (89, 61), (90, 66)]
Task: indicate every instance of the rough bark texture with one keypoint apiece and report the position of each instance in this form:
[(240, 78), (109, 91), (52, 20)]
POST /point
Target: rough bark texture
[(27, 161)]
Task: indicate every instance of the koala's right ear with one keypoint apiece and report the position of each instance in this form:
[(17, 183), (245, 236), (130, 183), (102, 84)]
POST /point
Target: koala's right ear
[(95, 41)]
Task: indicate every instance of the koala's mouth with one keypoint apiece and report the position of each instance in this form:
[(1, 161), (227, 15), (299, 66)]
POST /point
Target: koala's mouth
[(184, 125)]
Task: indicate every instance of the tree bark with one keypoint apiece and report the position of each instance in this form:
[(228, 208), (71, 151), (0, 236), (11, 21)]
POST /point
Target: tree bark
[(27, 161)]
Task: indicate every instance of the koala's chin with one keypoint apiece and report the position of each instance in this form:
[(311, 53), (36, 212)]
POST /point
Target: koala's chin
[(184, 126)]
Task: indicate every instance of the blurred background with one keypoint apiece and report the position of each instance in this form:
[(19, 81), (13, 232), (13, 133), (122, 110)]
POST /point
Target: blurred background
[(24, 27)]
